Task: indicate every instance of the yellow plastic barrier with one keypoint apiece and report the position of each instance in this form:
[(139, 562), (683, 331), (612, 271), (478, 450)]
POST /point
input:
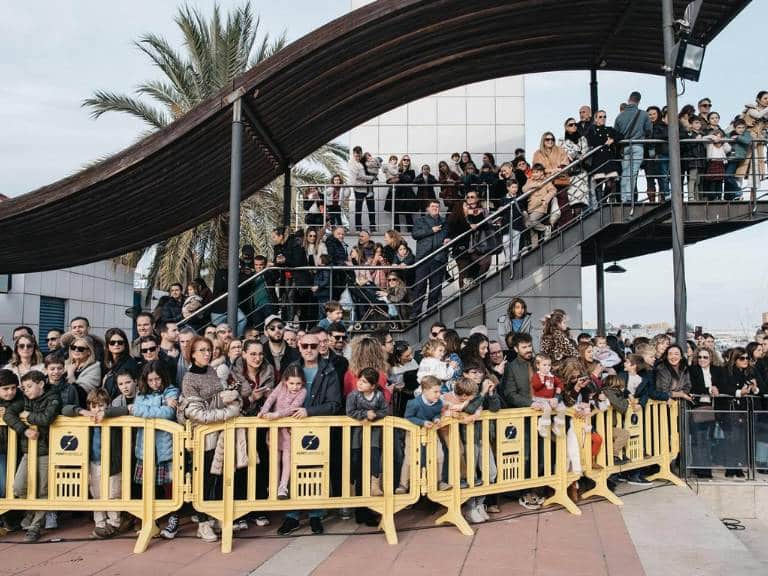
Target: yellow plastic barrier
[(68, 471), (654, 439), (521, 460), (312, 441), (512, 437)]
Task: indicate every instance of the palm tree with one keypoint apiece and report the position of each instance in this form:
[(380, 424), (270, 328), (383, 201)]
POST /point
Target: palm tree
[(215, 52)]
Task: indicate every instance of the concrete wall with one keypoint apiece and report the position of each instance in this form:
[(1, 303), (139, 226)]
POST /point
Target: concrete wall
[(100, 291)]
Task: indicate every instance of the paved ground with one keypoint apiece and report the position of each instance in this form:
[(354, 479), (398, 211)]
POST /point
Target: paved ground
[(550, 543)]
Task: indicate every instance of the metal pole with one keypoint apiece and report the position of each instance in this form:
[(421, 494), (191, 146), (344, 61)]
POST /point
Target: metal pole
[(600, 278), (235, 193), (593, 95), (675, 176), (287, 193)]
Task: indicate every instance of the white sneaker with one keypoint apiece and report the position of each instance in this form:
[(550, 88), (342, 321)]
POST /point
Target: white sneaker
[(474, 516), (484, 511), (282, 493), (205, 532), (51, 520), (240, 525)]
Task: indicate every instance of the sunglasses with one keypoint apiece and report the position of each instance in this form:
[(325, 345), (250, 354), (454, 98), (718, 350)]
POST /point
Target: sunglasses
[(435, 334), (275, 327), (391, 279), (549, 139), (52, 339), (312, 346), (150, 349), (74, 348), (571, 125), (25, 346), (338, 337), (599, 116), (703, 357), (116, 342), (705, 105), (743, 358)]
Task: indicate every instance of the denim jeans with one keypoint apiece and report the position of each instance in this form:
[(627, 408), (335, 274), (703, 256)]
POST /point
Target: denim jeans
[(732, 183), (630, 166), (218, 318)]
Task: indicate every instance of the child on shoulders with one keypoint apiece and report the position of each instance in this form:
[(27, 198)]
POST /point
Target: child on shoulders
[(546, 392)]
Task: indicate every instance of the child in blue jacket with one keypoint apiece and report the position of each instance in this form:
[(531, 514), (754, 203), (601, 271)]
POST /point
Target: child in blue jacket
[(157, 399)]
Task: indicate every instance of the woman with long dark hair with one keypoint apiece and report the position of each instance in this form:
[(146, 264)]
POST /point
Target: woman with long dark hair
[(468, 216), (117, 357), (672, 374), (448, 180), (555, 339)]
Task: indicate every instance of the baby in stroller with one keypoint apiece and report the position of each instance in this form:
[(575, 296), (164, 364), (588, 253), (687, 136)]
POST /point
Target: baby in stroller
[(374, 306)]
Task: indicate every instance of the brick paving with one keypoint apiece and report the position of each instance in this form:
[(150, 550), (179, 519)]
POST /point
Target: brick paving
[(549, 543)]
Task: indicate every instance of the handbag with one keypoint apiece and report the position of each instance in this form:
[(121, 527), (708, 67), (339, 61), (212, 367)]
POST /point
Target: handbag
[(703, 414), (554, 212), (482, 241)]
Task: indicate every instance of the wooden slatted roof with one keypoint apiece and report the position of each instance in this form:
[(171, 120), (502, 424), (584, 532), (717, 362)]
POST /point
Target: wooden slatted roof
[(344, 73)]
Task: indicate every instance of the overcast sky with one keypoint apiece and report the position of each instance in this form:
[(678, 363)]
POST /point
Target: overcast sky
[(56, 53)]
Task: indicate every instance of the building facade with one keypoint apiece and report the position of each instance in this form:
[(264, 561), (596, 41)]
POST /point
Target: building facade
[(101, 292)]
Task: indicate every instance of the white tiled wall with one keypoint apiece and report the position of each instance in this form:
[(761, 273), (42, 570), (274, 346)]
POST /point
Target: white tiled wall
[(100, 291), (483, 117)]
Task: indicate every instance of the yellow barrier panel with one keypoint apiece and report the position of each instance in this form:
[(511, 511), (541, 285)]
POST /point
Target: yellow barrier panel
[(68, 470), (313, 441), (521, 458), (654, 439)]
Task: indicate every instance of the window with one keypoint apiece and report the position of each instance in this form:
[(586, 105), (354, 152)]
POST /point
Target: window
[(51, 318)]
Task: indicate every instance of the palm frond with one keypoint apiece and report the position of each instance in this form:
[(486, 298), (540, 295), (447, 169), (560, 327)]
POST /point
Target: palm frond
[(103, 102), (167, 94), (169, 62)]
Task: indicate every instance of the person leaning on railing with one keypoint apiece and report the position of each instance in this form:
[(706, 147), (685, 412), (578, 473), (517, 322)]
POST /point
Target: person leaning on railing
[(603, 164), (739, 159), (711, 390), (466, 216), (756, 117), (672, 374), (540, 197), (431, 233)]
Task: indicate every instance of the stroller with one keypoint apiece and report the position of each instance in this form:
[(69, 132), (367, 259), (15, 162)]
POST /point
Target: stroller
[(371, 311)]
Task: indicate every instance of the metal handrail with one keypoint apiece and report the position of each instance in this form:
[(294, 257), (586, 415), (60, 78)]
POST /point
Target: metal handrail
[(489, 218)]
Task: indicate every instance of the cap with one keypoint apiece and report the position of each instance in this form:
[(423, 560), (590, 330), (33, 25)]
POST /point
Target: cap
[(272, 318), (479, 330)]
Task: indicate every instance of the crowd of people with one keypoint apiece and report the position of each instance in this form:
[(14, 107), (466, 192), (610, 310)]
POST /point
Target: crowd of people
[(292, 372)]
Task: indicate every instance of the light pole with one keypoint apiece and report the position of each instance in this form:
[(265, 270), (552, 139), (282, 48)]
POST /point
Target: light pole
[(675, 176)]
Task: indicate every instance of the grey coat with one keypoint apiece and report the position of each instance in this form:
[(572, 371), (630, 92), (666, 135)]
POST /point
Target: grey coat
[(428, 241)]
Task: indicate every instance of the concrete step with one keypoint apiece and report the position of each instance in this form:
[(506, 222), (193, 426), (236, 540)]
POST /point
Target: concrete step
[(675, 532)]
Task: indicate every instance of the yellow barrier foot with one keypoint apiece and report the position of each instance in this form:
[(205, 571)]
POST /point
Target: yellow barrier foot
[(458, 520), (226, 538), (562, 499), (387, 524), (148, 531), (602, 491), (668, 476)]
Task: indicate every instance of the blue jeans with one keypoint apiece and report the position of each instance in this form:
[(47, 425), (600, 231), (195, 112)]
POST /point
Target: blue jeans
[(295, 514), (218, 318), (630, 167), (732, 184)]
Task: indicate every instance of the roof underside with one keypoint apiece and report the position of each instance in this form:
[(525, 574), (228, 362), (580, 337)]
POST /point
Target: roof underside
[(359, 66)]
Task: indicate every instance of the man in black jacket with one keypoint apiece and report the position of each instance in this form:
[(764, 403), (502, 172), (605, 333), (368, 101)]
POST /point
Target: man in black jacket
[(339, 363), (171, 311), (323, 399), (276, 351), (430, 232)]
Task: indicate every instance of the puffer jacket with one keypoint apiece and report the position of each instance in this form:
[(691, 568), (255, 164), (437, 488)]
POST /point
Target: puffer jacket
[(42, 412), (154, 406)]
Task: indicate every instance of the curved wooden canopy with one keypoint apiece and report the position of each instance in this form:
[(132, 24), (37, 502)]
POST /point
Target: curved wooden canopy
[(342, 74)]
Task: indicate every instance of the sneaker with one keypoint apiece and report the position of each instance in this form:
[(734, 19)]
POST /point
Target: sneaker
[(464, 484), (529, 501), (240, 525), (474, 516), (443, 486), (638, 480), (32, 535), (282, 493), (103, 532), (401, 489), (51, 520), (289, 525), (205, 531), (345, 513), (493, 509), (483, 512), (316, 525), (171, 528), (259, 518), (195, 519), (620, 460)]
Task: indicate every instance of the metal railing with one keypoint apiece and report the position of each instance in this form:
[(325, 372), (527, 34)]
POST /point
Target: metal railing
[(732, 437), (314, 204), (462, 265)]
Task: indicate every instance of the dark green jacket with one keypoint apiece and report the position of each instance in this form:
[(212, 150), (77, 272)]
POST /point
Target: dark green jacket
[(515, 388), (42, 412)]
